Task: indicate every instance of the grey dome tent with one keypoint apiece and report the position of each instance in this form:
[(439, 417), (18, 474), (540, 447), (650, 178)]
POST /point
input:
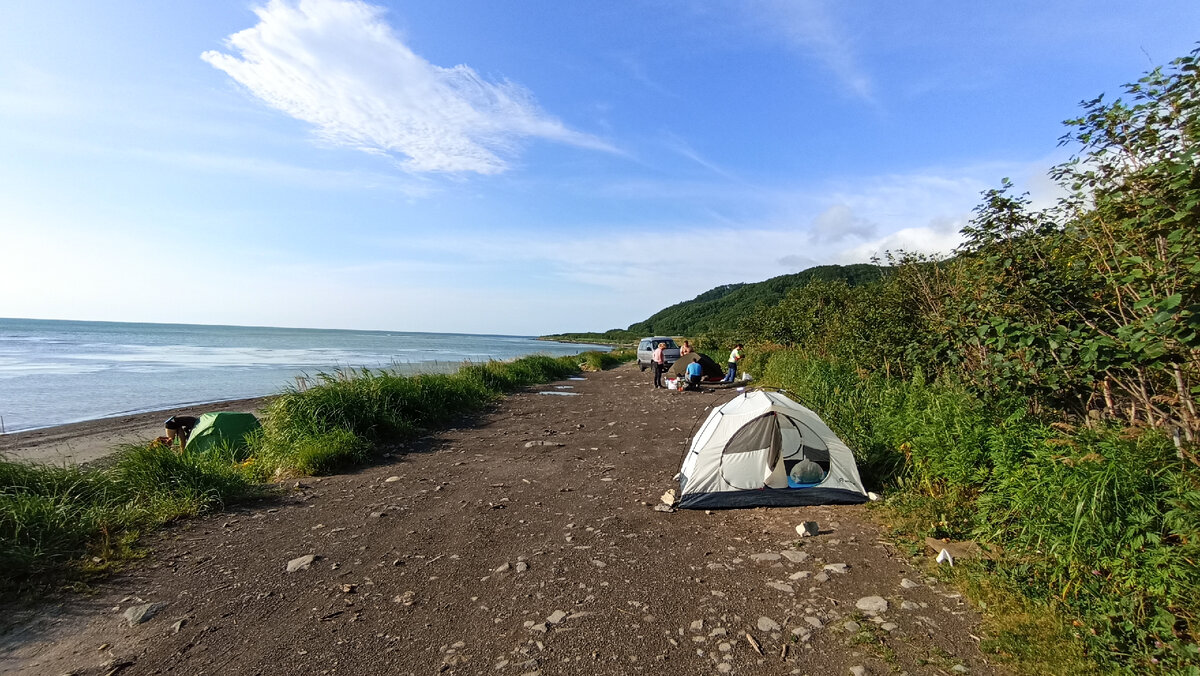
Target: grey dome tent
[(763, 449), (710, 370)]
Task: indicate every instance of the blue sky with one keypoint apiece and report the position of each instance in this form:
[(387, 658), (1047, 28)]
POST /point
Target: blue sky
[(520, 168)]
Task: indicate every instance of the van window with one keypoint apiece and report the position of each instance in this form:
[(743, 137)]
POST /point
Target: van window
[(670, 344), (645, 345)]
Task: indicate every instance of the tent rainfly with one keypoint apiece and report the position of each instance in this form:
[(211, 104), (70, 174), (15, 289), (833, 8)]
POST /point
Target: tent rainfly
[(763, 449)]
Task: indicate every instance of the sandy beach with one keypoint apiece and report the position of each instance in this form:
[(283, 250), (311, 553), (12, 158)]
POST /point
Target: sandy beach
[(88, 441)]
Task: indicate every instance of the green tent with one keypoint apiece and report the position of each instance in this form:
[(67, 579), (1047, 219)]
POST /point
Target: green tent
[(709, 370), (225, 430)]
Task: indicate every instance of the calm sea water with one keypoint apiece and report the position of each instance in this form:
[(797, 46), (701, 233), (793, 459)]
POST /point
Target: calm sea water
[(55, 372)]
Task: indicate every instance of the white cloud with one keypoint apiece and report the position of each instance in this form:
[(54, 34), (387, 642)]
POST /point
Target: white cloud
[(839, 222), (939, 237), (808, 25), (338, 65)]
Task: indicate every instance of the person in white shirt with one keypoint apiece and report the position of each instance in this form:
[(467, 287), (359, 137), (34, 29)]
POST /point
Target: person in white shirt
[(735, 356)]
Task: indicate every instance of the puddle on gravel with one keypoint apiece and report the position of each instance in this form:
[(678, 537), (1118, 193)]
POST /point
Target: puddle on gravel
[(576, 378), (564, 387), (563, 394)]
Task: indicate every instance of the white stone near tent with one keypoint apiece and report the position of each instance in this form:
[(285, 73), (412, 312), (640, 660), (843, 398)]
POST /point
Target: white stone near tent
[(763, 449)]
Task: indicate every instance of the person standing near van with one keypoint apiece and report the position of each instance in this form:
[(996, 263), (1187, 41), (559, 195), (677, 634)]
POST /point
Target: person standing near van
[(659, 362), (735, 355)]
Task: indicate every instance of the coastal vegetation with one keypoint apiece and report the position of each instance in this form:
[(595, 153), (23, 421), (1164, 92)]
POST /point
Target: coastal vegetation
[(67, 523), (1037, 390)]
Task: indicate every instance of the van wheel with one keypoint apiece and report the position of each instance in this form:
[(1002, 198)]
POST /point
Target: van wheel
[(641, 366)]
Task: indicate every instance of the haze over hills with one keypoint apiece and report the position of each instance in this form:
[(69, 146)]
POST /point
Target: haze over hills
[(723, 306)]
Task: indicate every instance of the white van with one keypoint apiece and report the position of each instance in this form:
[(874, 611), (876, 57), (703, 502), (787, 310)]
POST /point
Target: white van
[(645, 351)]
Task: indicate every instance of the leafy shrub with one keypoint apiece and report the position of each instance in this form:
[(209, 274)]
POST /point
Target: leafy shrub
[(1102, 522)]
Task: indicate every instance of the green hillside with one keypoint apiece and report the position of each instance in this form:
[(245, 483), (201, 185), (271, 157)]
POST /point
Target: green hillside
[(722, 307)]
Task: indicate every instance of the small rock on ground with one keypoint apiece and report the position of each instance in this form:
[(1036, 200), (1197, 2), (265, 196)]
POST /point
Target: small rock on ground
[(300, 563), (767, 624), (135, 615), (872, 604)]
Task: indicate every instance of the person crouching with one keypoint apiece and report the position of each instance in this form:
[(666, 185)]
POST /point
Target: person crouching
[(694, 373), (179, 427)]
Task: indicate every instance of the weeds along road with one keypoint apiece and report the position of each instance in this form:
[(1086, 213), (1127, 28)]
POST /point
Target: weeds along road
[(525, 541)]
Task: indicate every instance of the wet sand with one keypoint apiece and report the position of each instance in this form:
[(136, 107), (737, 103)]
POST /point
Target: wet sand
[(84, 442)]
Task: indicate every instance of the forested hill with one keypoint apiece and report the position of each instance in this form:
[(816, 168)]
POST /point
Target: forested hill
[(723, 306)]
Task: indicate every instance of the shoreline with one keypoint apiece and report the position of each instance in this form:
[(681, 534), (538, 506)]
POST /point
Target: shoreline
[(86, 441)]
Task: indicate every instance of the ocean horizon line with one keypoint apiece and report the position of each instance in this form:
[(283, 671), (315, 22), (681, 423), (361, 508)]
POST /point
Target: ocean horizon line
[(264, 326)]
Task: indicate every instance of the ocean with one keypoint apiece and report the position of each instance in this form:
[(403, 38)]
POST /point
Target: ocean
[(55, 372)]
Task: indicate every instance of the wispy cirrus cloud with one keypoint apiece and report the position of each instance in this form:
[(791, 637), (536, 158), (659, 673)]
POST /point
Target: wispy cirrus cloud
[(809, 25), (339, 66)]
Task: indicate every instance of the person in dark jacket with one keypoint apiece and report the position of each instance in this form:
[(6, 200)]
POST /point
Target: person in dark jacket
[(180, 426)]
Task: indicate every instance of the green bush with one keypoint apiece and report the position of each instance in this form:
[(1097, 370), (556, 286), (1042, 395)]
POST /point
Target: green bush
[(599, 361), (328, 452), (1101, 522)]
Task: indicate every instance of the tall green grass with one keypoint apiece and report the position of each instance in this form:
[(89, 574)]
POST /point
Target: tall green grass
[(54, 519), (1102, 523), (50, 516), (345, 419)]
